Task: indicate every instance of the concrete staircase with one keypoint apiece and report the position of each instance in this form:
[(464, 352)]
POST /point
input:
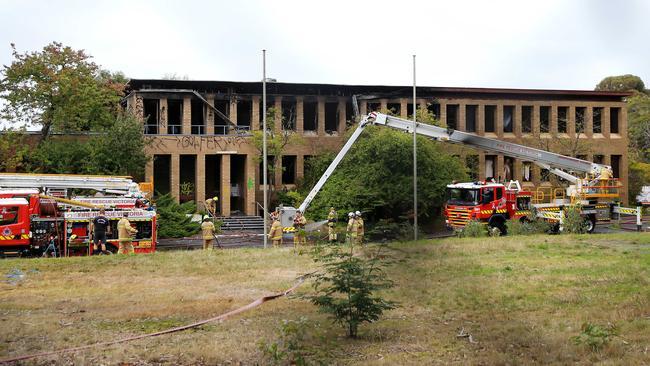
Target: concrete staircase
[(238, 223)]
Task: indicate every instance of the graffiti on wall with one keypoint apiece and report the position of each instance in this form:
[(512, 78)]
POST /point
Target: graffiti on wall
[(197, 143)]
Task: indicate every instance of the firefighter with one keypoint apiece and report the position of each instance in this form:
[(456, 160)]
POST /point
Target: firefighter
[(331, 224), (360, 228), (211, 205), (100, 226), (124, 232), (207, 228), (299, 222), (352, 228), (276, 232)]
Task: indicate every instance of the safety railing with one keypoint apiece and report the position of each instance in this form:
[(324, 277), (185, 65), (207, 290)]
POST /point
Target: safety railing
[(150, 129), (173, 129)]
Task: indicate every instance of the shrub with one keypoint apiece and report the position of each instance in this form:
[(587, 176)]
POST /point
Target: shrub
[(595, 336), (347, 286), (574, 222), (473, 229), (289, 348), (173, 218), (388, 229), (530, 225)]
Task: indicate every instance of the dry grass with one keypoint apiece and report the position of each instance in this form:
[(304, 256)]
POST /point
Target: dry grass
[(521, 298)]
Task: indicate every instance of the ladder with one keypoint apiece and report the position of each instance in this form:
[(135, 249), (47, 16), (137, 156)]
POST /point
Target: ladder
[(60, 183)]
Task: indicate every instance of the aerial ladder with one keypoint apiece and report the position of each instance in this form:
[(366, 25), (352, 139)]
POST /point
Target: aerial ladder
[(59, 184), (563, 166)]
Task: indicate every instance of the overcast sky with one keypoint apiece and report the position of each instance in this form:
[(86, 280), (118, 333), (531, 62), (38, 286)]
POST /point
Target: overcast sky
[(521, 44)]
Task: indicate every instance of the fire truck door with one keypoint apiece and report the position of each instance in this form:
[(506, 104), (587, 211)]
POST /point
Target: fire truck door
[(14, 222)]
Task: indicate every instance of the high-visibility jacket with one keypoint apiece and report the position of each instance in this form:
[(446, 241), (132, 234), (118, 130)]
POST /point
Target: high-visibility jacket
[(207, 228), (124, 229), (331, 218), (299, 222), (360, 228), (276, 230), (211, 203), (353, 227)]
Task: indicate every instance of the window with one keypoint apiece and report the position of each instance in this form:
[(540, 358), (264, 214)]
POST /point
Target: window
[(9, 215), (508, 168), (490, 163), (288, 169), (488, 195), (544, 119), (434, 108), (580, 119), (470, 118), (597, 120), (526, 119), (460, 196), (562, 118), (198, 117), (288, 115), (527, 171), (452, 116), (151, 116), (220, 124), (599, 159), (490, 117), (331, 117), (374, 107), (613, 119), (310, 116), (616, 165), (394, 109), (174, 116), (508, 115), (544, 175), (499, 192), (244, 113)]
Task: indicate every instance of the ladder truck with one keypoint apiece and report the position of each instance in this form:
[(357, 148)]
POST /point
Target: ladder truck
[(38, 209), (494, 203)]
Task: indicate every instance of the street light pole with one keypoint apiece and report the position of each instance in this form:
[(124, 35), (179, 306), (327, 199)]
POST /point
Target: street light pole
[(264, 162), (415, 161)]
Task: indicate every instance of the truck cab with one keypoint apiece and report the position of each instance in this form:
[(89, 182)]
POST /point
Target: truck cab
[(14, 224)]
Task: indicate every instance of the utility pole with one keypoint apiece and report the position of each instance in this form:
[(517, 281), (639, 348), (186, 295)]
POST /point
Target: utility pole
[(415, 161), (264, 161)]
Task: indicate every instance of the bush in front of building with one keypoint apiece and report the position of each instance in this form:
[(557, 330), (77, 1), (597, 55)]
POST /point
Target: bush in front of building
[(574, 222), (174, 220), (473, 229)]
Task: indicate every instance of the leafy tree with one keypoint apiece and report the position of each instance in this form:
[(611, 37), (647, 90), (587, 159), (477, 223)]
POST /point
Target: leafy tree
[(275, 142), (376, 176), (173, 219), (347, 286), (13, 150), (625, 82), (59, 89)]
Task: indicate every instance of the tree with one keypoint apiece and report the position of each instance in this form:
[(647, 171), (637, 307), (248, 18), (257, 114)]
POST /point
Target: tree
[(275, 142), (625, 82), (59, 89), (173, 219), (13, 150), (376, 176)]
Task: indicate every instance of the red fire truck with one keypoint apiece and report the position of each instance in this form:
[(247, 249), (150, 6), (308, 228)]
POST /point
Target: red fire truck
[(31, 221)]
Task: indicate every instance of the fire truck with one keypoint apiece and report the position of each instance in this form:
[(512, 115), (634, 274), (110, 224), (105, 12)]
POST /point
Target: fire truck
[(493, 203), (39, 210)]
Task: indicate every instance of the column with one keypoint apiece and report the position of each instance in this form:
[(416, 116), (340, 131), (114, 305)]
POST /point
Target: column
[(174, 176), (498, 123), (363, 107), (249, 184), (278, 173), (536, 121), (571, 123), (516, 119), (300, 167), (300, 115), (605, 123), (498, 168), (233, 110), (200, 180), (187, 116), (443, 113), (162, 120), (517, 173), (278, 115), (209, 122), (462, 115), (403, 102), (148, 170), (383, 105), (225, 185), (589, 122), (480, 119), (256, 116), (340, 129), (481, 166), (622, 125), (553, 121), (321, 116)]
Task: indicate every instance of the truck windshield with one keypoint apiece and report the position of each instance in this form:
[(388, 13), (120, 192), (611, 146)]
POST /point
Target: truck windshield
[(462, 196)]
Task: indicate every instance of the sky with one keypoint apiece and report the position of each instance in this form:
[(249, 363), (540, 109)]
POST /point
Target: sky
[(546, 44)]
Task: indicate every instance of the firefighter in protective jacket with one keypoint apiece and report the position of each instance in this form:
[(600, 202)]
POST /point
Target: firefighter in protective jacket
[(360, 228), (331, 224), (352, 229), (125, 232), (207, 231), (276, 232), (299, 222)]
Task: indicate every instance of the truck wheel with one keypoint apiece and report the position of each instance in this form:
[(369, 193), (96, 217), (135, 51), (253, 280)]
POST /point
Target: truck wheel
[(497, 223), (590, 223)]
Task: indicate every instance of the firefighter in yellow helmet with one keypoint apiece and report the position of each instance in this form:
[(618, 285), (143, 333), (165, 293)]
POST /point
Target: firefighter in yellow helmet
[(331, 224), (276, 232), (352, 228), (211, 205), (207, 232), (124, 233), (299, 222), (360, 228)]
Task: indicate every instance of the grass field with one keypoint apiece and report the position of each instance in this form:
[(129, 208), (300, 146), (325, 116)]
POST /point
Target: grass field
[(522, 299)]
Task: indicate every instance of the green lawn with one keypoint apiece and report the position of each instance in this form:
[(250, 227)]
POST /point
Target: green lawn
[(522, 299)]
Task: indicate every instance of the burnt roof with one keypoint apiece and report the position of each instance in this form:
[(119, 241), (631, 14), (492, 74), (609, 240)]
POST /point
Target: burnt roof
[(378, 91)]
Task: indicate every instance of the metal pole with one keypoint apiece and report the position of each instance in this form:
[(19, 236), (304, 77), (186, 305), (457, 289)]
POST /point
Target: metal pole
[(415, 161), (264, 161)]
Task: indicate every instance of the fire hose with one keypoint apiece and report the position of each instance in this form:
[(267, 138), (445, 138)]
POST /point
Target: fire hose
[(224, 316)]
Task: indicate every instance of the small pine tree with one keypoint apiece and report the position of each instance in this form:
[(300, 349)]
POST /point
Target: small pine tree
[(347, 287), (173, 219)]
